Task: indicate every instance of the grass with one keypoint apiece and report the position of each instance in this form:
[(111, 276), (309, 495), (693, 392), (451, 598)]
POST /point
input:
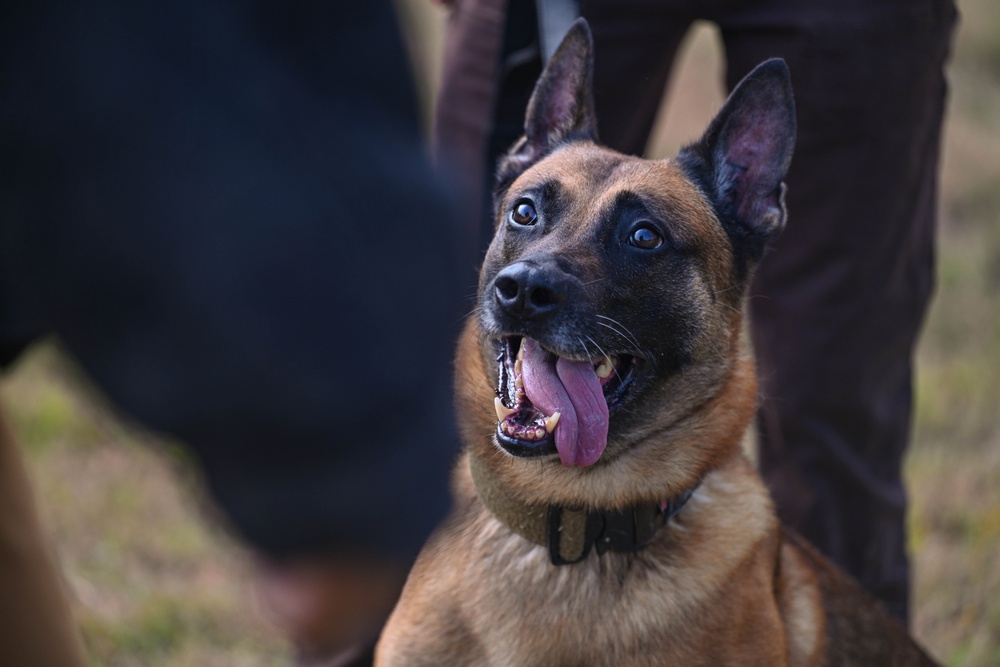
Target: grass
[(156, 581)]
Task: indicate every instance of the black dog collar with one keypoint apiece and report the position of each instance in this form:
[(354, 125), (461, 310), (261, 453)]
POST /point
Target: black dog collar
[(570, 533)]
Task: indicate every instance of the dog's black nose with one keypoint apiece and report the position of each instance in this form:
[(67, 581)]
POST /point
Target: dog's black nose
[(527, 291)]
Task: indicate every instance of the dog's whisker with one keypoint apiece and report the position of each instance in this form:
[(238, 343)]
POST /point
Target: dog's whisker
[(732, 308), (620, 333), (619, 329), (599, 348), (616, 330), (726, 289), (608, 357), (623, 328)]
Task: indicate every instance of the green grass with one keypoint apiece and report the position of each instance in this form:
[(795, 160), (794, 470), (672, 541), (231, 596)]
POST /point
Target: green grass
[(157, 582)]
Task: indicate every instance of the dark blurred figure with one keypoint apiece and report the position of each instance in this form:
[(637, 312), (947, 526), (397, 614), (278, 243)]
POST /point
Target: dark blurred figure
[(837, 306), (225, 212)]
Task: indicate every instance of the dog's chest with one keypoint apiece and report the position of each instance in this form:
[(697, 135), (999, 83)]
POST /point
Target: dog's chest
[(609, 605)]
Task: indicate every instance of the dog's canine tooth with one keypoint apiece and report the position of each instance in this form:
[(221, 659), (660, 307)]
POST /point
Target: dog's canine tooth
[(605, 368), (502, 410), (551, 422)]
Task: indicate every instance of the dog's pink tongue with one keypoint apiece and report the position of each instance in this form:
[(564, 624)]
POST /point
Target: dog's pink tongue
[(572, 389)]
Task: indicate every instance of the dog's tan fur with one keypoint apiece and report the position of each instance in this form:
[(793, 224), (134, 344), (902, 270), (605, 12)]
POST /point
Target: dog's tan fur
[(720, 584)]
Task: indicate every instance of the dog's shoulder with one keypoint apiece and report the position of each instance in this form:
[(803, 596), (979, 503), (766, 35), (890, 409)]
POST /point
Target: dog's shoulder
[(855, 628)]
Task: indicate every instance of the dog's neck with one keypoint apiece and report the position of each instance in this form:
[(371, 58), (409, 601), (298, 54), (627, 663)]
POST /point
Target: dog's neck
[(569, 533)]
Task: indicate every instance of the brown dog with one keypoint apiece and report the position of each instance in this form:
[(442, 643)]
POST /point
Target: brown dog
[(605, 512)]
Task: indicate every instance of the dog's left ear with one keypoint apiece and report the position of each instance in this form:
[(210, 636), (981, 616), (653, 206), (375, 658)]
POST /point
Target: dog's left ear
[(561, 107), (744, 155)]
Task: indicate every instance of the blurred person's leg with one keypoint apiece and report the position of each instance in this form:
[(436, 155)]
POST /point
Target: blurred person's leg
[(463, 120), (634, 48), (37, 626), (837, 306)]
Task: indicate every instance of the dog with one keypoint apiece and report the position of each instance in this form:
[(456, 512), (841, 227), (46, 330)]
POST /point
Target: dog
[(605, 512)]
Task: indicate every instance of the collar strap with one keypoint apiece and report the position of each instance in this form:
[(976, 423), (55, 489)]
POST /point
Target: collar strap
[(570, 533)]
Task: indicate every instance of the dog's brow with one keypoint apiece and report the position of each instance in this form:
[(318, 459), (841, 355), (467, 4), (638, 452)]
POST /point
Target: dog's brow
[(628, 199), (550, 194), (550, 187), (662, 208), (552, 190)]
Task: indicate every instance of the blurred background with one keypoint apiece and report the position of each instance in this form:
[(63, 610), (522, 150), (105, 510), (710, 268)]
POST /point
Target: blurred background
[(156, 580)]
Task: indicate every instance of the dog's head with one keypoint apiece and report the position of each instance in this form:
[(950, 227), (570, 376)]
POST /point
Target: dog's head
[(610, 298)]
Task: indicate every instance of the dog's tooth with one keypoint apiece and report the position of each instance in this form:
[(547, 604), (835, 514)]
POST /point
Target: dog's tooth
[(502, 410), (520, 350), (519, 382), (551, 422), (518, 365), (605, 368)]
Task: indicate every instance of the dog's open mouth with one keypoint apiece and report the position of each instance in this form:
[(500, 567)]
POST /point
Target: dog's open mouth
[(549, 404)]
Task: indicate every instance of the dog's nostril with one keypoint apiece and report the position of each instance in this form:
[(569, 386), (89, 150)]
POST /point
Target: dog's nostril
[(507, 288), (543, 297)]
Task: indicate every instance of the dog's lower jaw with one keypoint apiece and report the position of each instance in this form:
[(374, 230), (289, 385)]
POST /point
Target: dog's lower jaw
[(645, 473), (548, 404)]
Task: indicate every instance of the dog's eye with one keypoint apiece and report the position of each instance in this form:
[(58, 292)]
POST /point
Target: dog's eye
[(645, 238), (523, 214)]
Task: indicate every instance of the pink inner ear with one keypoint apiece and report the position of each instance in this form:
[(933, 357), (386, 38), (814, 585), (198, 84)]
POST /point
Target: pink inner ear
[(754, 143), (563, 99), (559, 113), (754, 155)]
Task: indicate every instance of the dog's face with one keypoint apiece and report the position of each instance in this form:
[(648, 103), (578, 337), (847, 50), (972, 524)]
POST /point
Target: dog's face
[(610, 297), (603, 278)]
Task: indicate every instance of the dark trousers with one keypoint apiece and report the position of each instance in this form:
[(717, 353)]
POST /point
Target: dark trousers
[(837, 305)]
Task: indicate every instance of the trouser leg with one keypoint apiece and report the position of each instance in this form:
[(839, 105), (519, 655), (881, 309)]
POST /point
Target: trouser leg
[(37, 627), (634, 49), (837, 306)]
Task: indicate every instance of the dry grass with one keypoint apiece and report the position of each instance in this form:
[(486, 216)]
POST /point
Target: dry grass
[(155, 583), (954, 466)]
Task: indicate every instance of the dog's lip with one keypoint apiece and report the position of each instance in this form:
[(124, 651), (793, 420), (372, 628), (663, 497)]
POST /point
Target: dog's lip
[(522, 429)]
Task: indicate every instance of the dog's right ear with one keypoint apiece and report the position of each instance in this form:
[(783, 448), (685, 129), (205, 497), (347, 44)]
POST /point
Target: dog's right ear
[(561, 107)]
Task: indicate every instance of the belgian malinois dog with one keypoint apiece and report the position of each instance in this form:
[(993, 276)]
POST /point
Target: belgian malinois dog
[(605, 512)]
